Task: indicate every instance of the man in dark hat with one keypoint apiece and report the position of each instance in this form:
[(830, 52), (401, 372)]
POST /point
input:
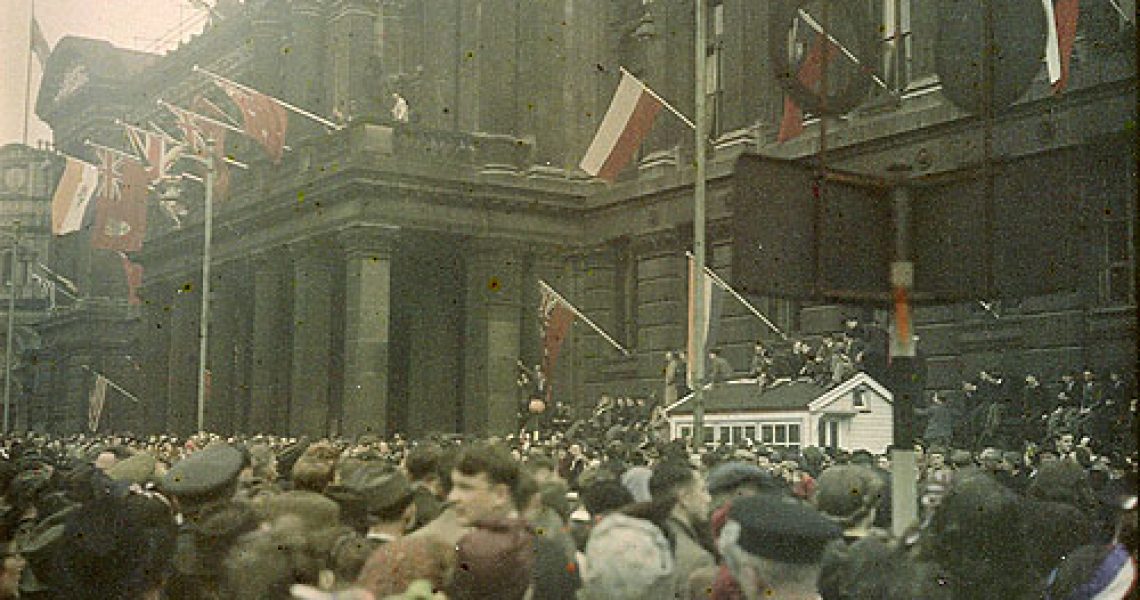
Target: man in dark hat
[(773, 545), (384, 498), (201, 483)]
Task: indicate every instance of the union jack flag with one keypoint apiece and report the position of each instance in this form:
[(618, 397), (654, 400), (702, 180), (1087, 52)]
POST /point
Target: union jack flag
[(157, 151)]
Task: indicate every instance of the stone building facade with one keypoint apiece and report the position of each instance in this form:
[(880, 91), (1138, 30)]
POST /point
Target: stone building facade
[(384, 277)]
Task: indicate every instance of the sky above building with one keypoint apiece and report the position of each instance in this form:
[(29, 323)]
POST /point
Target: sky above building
[(149, 25)]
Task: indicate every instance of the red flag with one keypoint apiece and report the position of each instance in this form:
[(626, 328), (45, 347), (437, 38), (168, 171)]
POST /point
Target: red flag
[(556, 318), (627, 122), (120, 209), (264, 119), (134, 273), (1065, 13), (810, 74)]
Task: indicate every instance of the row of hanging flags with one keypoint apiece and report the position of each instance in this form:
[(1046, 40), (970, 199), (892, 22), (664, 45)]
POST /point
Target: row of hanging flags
[(111, 195), (635, 106)]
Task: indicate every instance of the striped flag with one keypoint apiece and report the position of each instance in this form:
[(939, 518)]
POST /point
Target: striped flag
[(95, 402), (555, 318), (627, 122), (702, 325), (73, 196), (810, 74), (1062, 32)]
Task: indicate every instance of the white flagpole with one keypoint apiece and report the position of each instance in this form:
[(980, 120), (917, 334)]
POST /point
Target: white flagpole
[(728, 288), (699, 147), (663, 102), (175, 109), (120, 153), (577, 313), (111, 382), (247, 89)]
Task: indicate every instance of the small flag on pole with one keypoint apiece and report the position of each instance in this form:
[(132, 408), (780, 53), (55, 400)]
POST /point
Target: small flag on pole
[(95, 402), (156, 151), (702, 325), (40, 47), (264, 119), (555, 318), (627, 122), (73, 196), (1065, 13), (120, 209), (810, 74)]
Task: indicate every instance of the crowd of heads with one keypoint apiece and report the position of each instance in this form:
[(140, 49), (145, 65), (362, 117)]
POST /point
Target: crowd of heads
[(1024, 490)]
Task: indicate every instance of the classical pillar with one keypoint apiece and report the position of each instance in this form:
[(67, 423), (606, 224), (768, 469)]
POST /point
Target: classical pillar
[(225, 303), (269, 364), (313, 265), (78, 384), (153, 355), (368, 306), (494, 312), (305, 64), (498, 66), (182, 373), (353, 59)]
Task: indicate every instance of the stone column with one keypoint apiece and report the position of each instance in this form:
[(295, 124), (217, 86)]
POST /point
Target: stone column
[(154, 357), (225, 303), (368, 306), (182, 379), (306, 64), (353, 64), (498, 66), (494, 313), (269, 368), (313, 264), (78, 384)]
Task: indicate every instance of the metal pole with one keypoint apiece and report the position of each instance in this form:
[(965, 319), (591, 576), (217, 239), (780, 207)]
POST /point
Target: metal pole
[(11, 329), (699, 300), (904, 471), (204, 318)]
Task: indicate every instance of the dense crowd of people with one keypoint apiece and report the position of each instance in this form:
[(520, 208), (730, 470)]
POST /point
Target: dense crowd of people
[(557, 516)]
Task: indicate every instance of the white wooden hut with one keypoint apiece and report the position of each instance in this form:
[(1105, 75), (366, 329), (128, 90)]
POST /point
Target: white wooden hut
[(793, 414)]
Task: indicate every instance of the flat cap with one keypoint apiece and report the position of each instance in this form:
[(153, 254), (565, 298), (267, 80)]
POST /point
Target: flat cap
[(728, 476), (139, 468), (204, 475), (847, 490), (780, 528), (382, 489)]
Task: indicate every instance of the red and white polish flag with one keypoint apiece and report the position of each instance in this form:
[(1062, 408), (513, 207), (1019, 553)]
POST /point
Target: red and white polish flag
[(628, 120)]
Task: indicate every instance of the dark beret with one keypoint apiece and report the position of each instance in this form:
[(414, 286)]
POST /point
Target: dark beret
[(781, 528), (728, 476), (204, 475)]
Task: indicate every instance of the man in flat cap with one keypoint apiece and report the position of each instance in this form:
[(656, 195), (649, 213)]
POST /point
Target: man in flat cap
[(384, 499), (773, 545), (201, 483)]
